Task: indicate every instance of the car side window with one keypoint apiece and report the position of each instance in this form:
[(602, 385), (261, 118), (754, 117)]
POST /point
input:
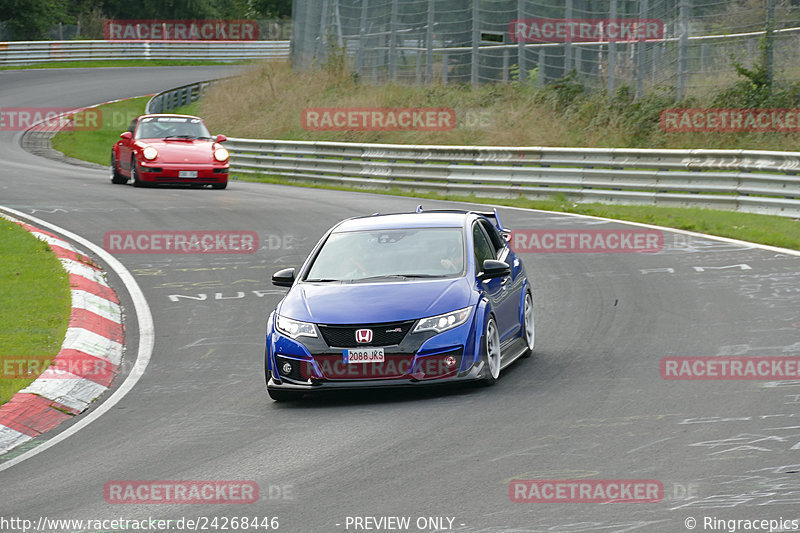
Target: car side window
[(497, 240), (133, 125), (483, 250)]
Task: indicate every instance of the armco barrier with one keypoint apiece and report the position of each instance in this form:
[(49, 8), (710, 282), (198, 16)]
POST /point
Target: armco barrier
[(174, 98), (29, 52), (749, 181), (738, 180)]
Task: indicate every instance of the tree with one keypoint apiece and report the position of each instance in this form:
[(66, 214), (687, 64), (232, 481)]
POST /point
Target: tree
[(32, 19)]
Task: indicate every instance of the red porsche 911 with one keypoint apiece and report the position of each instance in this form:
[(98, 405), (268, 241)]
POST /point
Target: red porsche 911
[(172, 149)]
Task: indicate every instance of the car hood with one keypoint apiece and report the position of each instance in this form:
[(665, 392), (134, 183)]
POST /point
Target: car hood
[(182, 151), (365, 303)]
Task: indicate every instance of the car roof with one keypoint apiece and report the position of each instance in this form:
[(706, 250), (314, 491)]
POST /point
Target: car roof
[(168, 115), (429, 219)]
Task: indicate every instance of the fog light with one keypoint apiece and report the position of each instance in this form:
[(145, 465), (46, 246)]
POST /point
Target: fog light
[(287, 368), (450, 361)]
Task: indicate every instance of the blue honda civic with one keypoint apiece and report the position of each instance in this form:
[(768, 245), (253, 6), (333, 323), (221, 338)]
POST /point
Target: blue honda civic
[(409, 299)]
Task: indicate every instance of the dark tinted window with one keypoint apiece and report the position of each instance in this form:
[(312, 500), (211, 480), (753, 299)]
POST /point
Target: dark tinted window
[(483, 250), (497, 240)]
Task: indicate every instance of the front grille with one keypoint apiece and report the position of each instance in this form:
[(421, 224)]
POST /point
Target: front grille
[(333, 367), (387, 334)]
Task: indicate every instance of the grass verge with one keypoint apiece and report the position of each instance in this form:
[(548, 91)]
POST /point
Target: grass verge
[(267, 102), (34, 289), (120, 63), (764, 229), (94, 144)]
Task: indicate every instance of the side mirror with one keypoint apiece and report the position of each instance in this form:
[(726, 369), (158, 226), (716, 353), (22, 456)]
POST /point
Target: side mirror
[(494, 269), (283, 278), (126, 135), (220, 138)]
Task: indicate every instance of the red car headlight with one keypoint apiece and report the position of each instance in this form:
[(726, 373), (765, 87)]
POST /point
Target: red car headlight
[(221, 154), (149, 153)]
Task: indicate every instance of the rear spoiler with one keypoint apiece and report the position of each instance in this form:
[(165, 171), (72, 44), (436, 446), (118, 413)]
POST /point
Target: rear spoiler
[(488, 214)]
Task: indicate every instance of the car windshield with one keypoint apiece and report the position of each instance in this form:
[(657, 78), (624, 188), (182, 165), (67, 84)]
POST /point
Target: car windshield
[(179, 127), (390, 254)]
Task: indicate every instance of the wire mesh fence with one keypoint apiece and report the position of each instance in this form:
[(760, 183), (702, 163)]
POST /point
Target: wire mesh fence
[(685, 45)]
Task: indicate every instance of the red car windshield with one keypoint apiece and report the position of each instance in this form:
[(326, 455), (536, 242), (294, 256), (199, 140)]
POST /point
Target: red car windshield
[(163, 127)]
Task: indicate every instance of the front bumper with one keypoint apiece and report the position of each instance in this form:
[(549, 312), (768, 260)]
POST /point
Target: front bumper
[(475, 373), (419, 359), (157, 172)]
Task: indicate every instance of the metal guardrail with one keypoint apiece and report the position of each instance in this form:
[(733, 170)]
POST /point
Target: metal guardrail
[(177, 97), (738, 180), (749, 181), (29, 52)]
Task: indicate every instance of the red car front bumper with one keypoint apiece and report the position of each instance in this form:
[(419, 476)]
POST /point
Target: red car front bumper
[(156, 172)]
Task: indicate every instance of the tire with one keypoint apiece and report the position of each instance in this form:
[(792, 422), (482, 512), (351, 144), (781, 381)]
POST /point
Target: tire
[(116, 177), (219, 185), (284, 395), (490, 353), (528, 324), (135, 174)]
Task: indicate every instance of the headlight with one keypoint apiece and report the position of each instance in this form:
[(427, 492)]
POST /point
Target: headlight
[(295, 328), (150, 153), (440, 323), (221, 154)]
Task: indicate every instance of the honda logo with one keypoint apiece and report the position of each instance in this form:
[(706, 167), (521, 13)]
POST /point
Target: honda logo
[(363, 336)]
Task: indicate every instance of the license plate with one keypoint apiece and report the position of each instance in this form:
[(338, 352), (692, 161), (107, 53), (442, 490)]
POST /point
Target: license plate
[(364, 355), (187, 173)]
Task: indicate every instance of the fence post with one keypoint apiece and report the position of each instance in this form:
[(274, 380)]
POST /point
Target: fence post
[(322, 40), (567, 44), (523, 69), (393, 42), (683, 49), (362, 30), (612, 52), (769, 41), (476, 38), (308, 31), (640, 53), (429, 42), (541, 66)]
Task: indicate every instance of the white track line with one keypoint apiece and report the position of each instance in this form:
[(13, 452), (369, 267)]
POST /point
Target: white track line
[(748, 244), (146, 337)]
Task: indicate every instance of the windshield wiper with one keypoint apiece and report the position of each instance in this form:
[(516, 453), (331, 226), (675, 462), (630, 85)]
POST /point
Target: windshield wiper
[(183, 137), (321, 280), (397, 276)]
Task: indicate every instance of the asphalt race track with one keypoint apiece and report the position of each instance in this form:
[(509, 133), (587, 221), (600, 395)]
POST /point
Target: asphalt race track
[(590, 404)]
